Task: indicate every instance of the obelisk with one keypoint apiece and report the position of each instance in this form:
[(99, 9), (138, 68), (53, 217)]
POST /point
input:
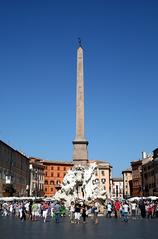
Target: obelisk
[(80, 152)]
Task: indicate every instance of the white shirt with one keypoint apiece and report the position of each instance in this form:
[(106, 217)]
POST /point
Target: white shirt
[(125, 208), (133, 206), (109, 208)]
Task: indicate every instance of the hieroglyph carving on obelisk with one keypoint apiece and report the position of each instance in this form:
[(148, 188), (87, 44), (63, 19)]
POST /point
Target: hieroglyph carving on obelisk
[(80, 152)]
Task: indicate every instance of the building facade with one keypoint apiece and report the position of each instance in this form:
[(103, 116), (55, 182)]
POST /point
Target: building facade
[(148, 180), (127, 182), (36, 187), (103, 175), (54, 172), (137, 178), (117, 188), (14, 172), (143, 176), (155, 163)]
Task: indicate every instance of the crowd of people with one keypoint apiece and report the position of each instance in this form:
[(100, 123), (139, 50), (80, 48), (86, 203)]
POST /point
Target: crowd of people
[(134, 209), (79, 211)]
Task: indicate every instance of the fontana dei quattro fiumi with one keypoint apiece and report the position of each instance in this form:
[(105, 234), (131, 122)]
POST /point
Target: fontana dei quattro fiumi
[(80, 182)]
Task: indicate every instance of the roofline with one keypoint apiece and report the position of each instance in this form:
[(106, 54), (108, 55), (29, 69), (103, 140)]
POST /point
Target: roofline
[(127, 170), (101, 162), (57, 162), (8, 146), (52, 161)]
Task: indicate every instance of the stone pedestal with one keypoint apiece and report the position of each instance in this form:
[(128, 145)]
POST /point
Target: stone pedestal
[(80, 152)]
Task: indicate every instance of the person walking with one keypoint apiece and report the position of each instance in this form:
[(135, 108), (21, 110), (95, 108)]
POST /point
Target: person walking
[(77, 213), (57, 209), (142, 208), (45, 211), (125, 211), (133, 209), (83, 213), (117, 209), (96, 211), (72, 212), (109, 210)]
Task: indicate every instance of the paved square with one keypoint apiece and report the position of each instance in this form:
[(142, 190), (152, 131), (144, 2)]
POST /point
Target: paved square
[(107, 228)]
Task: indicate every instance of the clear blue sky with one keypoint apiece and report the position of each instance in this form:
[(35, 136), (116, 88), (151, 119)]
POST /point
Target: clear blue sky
[(38, 41)]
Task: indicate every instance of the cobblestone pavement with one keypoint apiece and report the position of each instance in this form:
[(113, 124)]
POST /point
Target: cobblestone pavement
[(107, 228)]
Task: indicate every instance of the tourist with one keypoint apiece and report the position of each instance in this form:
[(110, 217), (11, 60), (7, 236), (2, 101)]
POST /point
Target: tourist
[(5, 209), (133, 209), (72, 212), (150, 210), (117, 209), (156, 209), (121, 212), (45, 211), (125, 211), (62, 210), (96, 211), (30, 210), (16, 210), (142, 208), (109, 210), (34, 211), (22, 212), (57, 210), (11, 208), (77, 213), (84, 213)]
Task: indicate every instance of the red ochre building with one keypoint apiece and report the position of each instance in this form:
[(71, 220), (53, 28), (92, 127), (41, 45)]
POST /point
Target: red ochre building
[(54, 172)]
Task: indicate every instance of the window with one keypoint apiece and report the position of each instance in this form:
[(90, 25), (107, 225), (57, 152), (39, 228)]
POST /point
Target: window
[(64, 168), (51, 189), (58, 182), (58, 168), (97, 180), (52, 182), (103, 180), (46, 174), (52, 168), (45, 189), (58, 175), (46, 182), (103, 173), (52, 174)]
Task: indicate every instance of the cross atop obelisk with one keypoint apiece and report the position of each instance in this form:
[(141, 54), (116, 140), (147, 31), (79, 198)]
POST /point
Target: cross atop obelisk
[(80, 152)]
